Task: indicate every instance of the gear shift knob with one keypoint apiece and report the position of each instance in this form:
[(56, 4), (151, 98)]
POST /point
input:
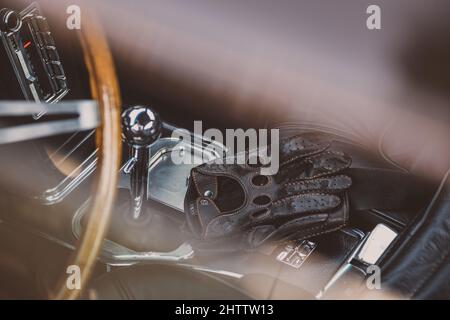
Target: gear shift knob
[(140, 128)]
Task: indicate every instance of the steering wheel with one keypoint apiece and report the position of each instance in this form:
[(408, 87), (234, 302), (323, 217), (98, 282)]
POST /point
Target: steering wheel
[(105, 89)]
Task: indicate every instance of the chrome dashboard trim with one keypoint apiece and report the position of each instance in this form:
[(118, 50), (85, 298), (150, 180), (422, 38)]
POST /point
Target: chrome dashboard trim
[(68, 184)]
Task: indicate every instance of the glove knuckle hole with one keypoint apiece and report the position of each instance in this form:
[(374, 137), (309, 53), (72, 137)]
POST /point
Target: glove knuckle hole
[(260, 180), (262, 200)]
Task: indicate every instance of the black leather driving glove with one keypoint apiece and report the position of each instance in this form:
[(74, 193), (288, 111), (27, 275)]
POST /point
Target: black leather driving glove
[(233, 207)]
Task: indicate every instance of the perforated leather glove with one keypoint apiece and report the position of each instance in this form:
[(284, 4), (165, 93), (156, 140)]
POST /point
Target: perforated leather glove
[(233, 207)]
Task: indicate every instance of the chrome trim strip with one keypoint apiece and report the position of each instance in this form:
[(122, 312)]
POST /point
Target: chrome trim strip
[(215, 271), (85, 111), (68, 184), (72, 150)]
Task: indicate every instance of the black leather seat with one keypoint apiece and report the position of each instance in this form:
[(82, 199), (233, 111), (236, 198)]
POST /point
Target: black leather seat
[(419, 266)]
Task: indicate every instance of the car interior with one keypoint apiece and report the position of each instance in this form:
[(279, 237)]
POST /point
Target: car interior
[(79, 187)]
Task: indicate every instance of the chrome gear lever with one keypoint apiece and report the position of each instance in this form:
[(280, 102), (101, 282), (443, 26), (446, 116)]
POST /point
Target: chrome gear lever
[(140, 128)]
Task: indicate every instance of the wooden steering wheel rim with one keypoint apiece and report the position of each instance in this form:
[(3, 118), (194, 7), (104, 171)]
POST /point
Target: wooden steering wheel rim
[(105, 89)]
